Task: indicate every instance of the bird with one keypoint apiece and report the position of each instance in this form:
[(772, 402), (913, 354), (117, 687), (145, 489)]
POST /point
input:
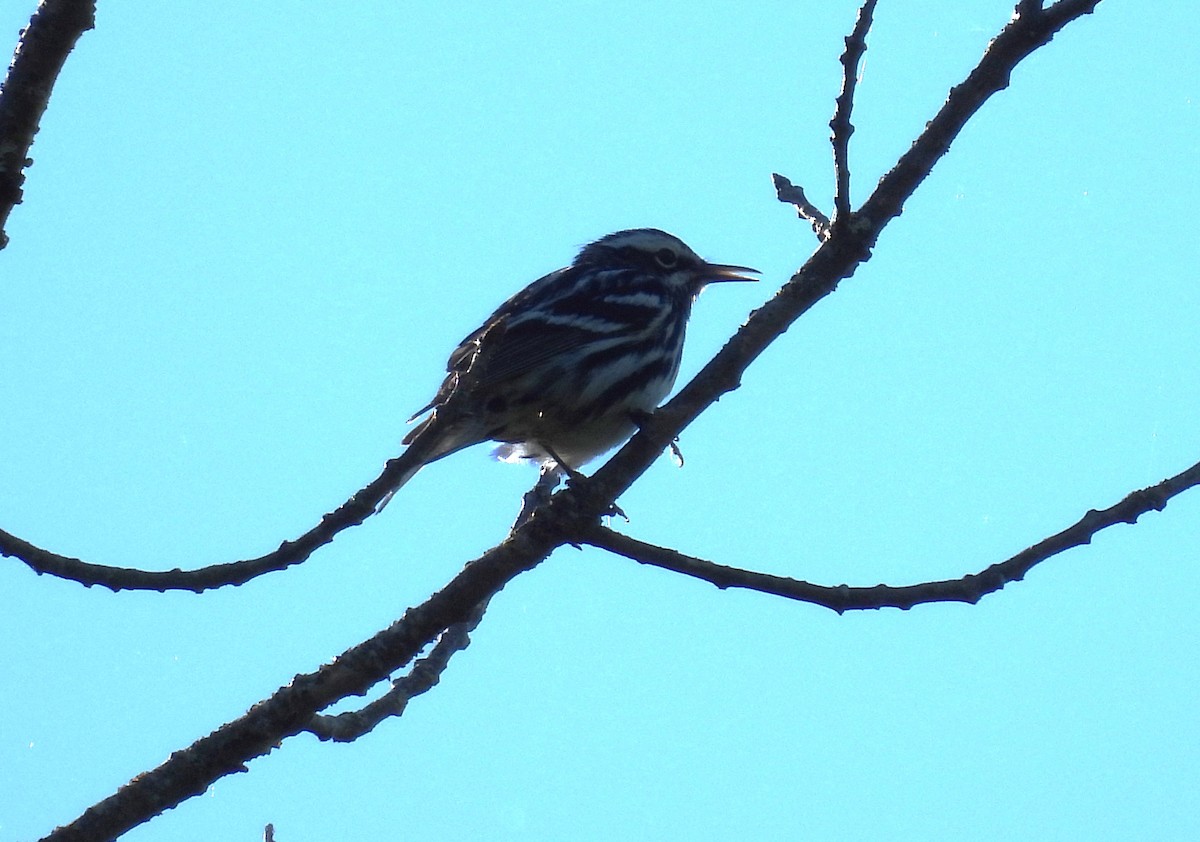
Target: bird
[(562, 371)]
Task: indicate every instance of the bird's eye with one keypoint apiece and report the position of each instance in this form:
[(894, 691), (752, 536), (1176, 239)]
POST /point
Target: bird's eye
[(666, 258)]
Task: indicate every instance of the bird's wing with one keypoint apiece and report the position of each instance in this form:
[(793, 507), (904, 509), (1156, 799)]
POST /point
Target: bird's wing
[(504, 347), (509, 353), (513, 342)]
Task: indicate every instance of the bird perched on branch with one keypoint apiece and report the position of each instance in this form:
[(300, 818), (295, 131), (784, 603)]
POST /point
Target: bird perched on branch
[(561, 372)]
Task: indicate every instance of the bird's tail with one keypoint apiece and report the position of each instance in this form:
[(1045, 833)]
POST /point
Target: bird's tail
[(435, 437), (400, 470)]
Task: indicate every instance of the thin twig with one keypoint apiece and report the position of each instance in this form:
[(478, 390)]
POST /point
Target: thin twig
[(351, 513), (842, 128), (840, 598), (423, 677), (793, 194)]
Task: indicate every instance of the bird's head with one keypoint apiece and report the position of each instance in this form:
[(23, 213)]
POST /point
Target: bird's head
[(663, 255)]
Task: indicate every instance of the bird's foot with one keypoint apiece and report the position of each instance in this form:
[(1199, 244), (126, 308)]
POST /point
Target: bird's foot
[(539, 494), (560, 467), (616, 511)]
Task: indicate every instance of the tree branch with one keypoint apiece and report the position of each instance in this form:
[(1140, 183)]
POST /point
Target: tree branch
[(291, 708), (41, 51), (842, 128), (834, 260), (39, 56), (423, 677), (351, 513), (1031, 27), (570, 514), (970, 588), (793, 194), (839, 256)]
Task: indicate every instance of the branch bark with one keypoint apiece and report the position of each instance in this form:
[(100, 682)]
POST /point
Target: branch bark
[(40, 54), (841, 598), (835, 259), (290, 710), (572, 514), (424, 676), (840, 125)]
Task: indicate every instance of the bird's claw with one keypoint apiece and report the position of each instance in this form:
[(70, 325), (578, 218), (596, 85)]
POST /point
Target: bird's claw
[(573, 476), (676, 453), (616, 511), (639, 417)]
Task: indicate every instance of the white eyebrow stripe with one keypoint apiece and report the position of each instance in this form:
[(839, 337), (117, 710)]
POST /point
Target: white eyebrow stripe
[(636, 298)]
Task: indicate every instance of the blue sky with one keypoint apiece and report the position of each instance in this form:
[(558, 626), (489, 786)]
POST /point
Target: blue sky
[(249, 241)]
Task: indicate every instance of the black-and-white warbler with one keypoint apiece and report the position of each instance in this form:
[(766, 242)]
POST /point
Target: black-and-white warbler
[(561, 371)]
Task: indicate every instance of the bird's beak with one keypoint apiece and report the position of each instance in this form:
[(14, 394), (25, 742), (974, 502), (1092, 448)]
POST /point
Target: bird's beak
[(718, 272)]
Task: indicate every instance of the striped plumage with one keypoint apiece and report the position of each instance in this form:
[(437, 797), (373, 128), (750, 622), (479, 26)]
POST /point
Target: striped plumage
[(561, 369)]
